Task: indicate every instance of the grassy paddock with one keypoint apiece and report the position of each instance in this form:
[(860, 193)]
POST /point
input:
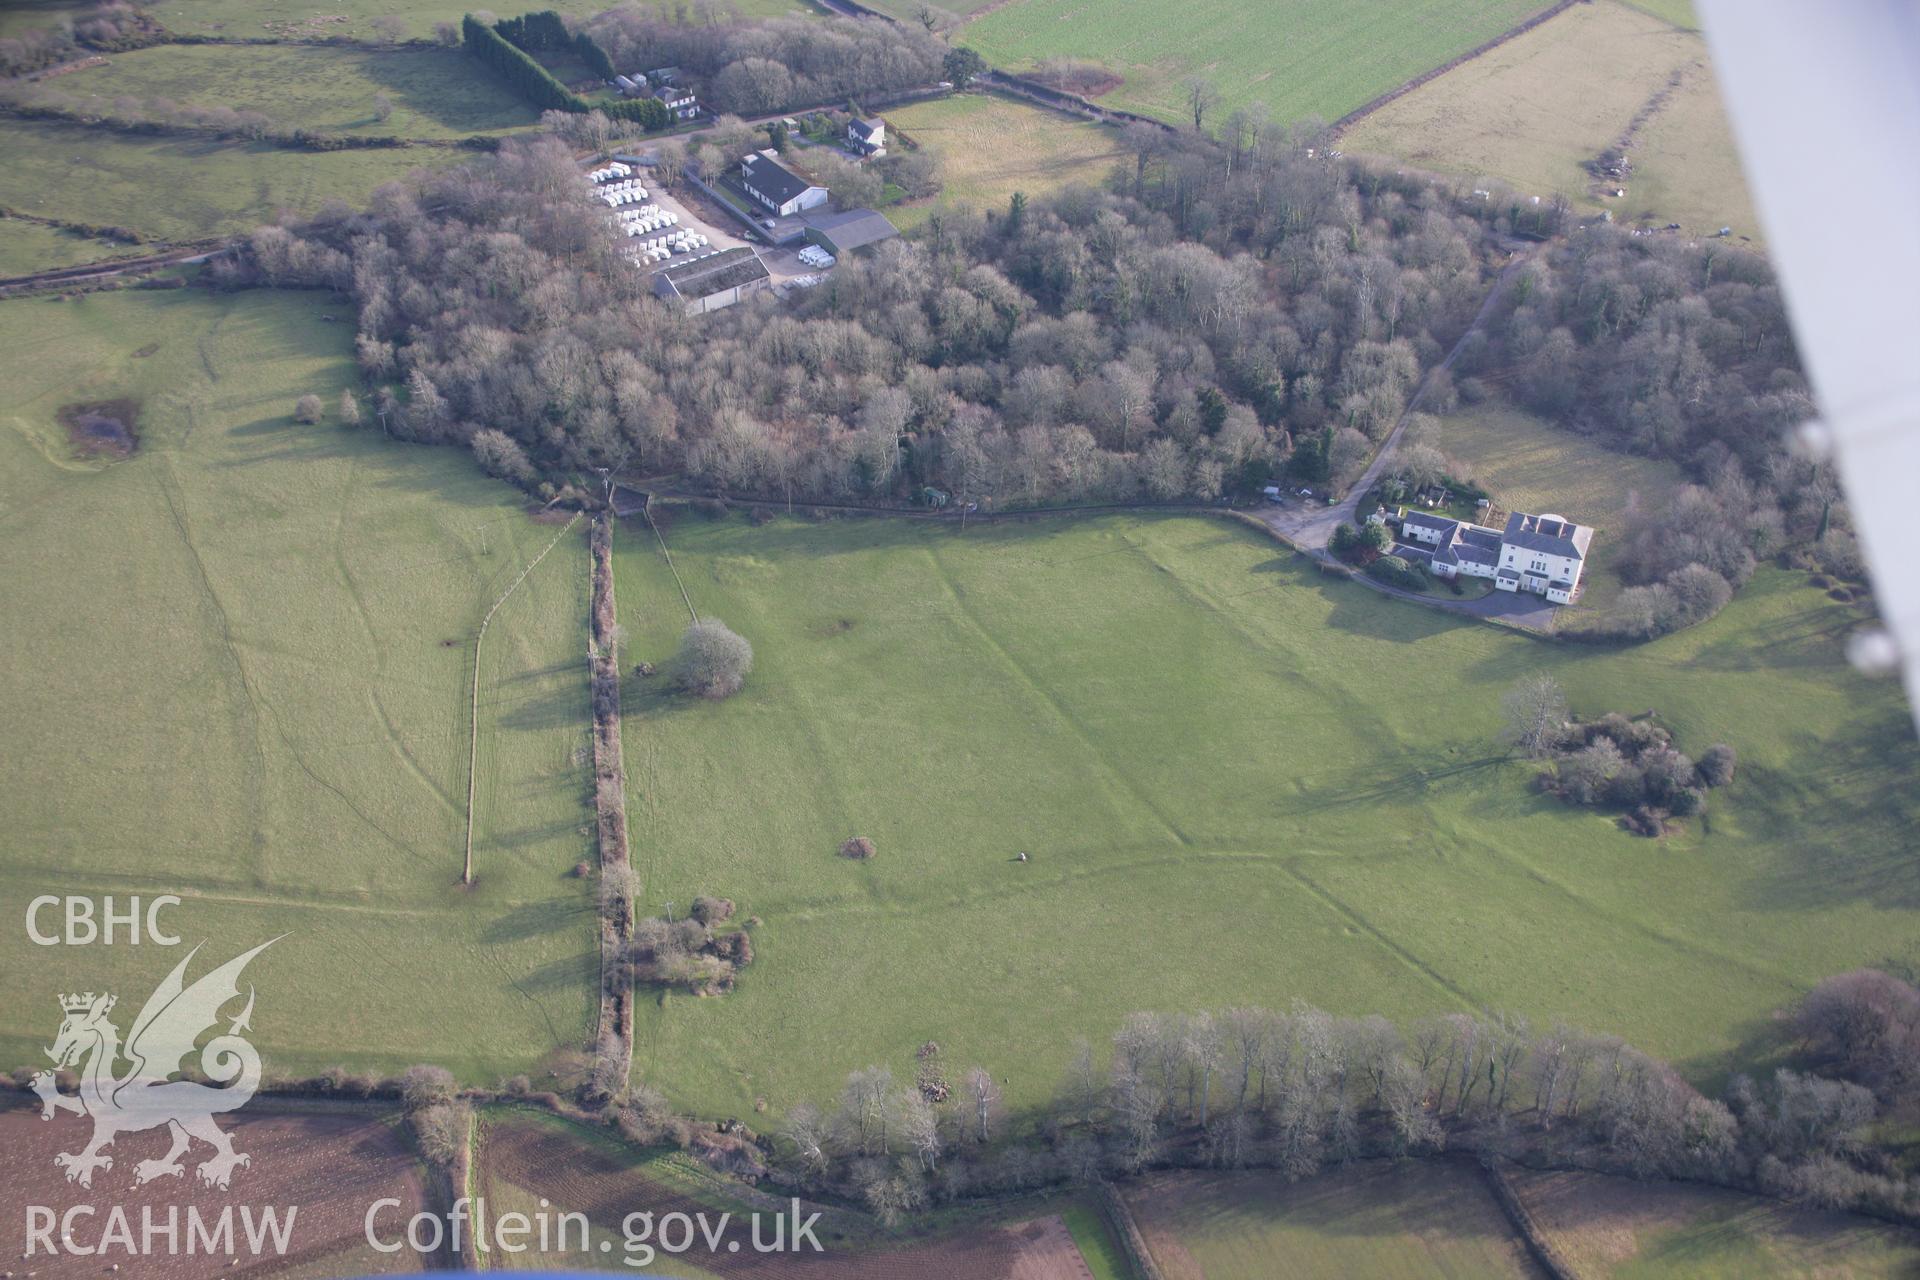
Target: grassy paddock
[(26, 247), (183, 188), (1535, 110), (1238, 783), (1530, 465), (1615, 1227), (436, 93), (1376, 1219), (991, 147), (236, 672), (1298, 58)]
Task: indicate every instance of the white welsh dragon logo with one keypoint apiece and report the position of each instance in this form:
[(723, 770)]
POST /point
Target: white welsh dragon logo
[(146, 1097)]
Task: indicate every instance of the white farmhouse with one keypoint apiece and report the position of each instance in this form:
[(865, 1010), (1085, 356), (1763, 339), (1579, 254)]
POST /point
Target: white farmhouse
[(1544, 555), (867, 137), (779, 188), (1541, 554)]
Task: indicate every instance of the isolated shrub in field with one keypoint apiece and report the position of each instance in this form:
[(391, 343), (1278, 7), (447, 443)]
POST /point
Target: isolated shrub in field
[(307, 409), (686, 953), (1716, 765), (713, 661), (858, 847)]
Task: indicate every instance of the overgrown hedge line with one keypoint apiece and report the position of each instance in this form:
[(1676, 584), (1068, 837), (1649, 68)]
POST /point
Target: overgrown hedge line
[(504, 48)]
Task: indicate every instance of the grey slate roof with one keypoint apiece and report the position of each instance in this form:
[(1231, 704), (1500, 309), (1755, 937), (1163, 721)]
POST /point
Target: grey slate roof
[(853, 228), (715, 273), (772, 179), (1439, 524), (1468, 543), (1553, 537), (1481, 546), (867, 128)]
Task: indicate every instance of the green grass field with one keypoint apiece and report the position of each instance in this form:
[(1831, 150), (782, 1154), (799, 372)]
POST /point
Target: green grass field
[(183, 188), (1530, 465), (1298, 58), (1238, 783), (1660, 1231), (292, 18), (237, 670), (435, 93), (991, 147), (1534, 111), (1377, 1220), (26, 247)]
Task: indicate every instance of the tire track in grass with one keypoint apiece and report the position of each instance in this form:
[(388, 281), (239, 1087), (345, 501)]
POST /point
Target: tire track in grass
[(1127, 783)]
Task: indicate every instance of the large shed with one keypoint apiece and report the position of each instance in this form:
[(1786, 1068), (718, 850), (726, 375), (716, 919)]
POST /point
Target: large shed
[(842, 233), (715, 281)]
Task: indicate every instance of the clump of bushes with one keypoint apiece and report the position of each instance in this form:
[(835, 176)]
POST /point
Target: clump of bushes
[(1397, 571), (688, 954), (1633, 766), (1692, 593), (1362, 544), (858, 848), (713, 661)]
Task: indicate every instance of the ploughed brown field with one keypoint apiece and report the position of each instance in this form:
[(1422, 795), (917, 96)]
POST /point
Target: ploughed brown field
[(524, 1161), (332, 1165)]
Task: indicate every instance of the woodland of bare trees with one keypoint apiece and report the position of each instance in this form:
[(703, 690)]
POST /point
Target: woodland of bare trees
[(1086, 352), (756, 67), (1657, 347), (1301, 1090), (1226, 311)]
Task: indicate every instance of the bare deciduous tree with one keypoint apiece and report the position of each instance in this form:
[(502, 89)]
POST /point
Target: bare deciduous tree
[(983, 1097), (1202, 96), (1535, 712)]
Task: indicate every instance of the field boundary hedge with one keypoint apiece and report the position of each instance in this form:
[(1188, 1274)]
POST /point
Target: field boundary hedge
[(1543, 1250), (610, 803), (539, 86), (1133, 1242)]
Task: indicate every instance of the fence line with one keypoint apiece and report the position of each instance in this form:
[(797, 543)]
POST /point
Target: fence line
[(473, 710)]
